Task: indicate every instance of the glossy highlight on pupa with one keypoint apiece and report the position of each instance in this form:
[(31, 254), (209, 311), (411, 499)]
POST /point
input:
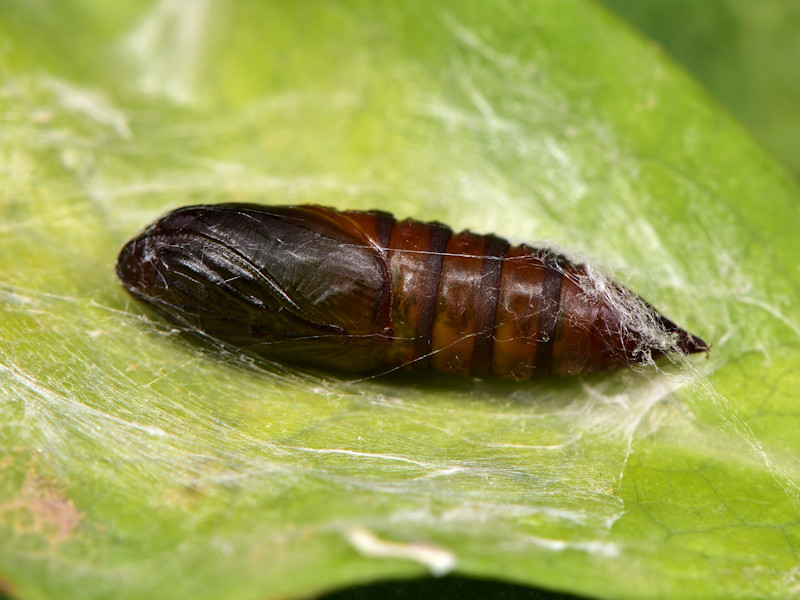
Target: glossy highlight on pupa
[(360, 292)]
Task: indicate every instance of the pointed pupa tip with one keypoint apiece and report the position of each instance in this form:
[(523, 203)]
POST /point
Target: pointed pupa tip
[(691, 344), (686, 343)]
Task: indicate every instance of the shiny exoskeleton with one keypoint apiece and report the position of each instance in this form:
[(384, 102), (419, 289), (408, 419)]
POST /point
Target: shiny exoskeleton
[(362, 292)]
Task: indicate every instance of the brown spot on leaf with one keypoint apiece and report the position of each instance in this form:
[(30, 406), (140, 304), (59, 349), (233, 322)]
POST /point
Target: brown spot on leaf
[(42, 507), (6, 587)]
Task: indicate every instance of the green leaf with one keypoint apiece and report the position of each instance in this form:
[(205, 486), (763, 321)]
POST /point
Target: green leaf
[(744, 52), (139, 464)]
